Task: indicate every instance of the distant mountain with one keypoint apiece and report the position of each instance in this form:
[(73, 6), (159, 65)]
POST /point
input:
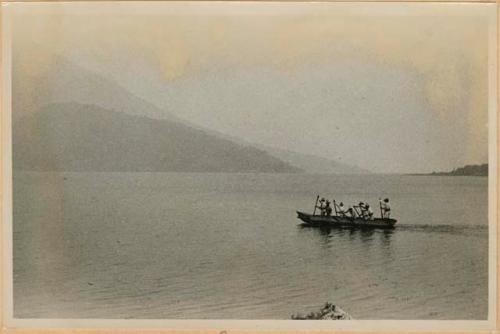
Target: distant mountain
[(78, 137), (67, 86), (468, 170), (312, 163)]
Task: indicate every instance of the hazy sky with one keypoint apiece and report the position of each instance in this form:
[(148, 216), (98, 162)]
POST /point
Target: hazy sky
[(388, 87)]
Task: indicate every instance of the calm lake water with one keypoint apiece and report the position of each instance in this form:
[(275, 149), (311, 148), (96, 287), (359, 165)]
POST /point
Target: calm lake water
[(229, 246)]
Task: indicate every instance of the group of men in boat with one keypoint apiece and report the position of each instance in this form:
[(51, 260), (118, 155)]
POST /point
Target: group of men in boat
[(362, 210)]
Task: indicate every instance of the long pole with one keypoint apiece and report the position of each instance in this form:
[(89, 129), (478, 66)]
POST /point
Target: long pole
[(380, 204), (315, 205), (335, 206)]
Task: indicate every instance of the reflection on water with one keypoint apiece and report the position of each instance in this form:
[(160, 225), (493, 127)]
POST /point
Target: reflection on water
[(329, 234)]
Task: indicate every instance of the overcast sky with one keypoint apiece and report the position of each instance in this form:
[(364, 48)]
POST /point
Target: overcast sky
[(388, 87)]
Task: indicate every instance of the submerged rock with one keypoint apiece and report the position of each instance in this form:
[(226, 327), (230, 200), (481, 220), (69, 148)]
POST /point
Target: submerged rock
[(328, 312)]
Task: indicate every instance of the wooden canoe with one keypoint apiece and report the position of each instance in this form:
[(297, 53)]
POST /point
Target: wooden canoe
[(331, 221)]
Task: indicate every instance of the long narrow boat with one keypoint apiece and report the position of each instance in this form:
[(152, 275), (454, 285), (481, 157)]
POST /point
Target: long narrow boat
[(332, 221)]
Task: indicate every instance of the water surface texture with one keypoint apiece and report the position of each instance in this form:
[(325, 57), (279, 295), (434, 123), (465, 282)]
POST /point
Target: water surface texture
[(229, 246)]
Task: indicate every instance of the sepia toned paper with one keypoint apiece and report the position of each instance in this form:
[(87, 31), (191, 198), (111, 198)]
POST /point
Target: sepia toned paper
[(256, 97)]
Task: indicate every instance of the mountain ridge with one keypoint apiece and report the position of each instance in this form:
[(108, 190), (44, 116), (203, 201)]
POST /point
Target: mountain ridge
[(79, 137)]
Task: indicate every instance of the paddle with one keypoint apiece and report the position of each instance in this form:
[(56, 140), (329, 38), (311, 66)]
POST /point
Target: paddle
[(315, 205), (380, 204)]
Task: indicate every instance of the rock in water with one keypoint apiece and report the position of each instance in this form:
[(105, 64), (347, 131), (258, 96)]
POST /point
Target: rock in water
[(328, 312)]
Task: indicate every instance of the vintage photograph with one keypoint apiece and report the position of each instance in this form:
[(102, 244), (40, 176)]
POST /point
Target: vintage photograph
[(250, 160)]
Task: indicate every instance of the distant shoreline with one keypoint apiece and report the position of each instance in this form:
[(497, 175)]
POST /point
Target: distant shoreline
[(468, 170)]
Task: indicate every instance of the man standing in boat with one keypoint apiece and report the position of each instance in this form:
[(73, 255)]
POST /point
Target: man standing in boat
[(328, 208), (385, 208), (321, 206)]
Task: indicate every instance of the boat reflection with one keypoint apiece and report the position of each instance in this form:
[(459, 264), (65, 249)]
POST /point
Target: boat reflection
[(366, 236)]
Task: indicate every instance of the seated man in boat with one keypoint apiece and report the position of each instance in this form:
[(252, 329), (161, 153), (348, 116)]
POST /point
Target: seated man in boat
[(349, 212), (385, 207), (328, 208), (368, 213), (343, 212), (362, 209)]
